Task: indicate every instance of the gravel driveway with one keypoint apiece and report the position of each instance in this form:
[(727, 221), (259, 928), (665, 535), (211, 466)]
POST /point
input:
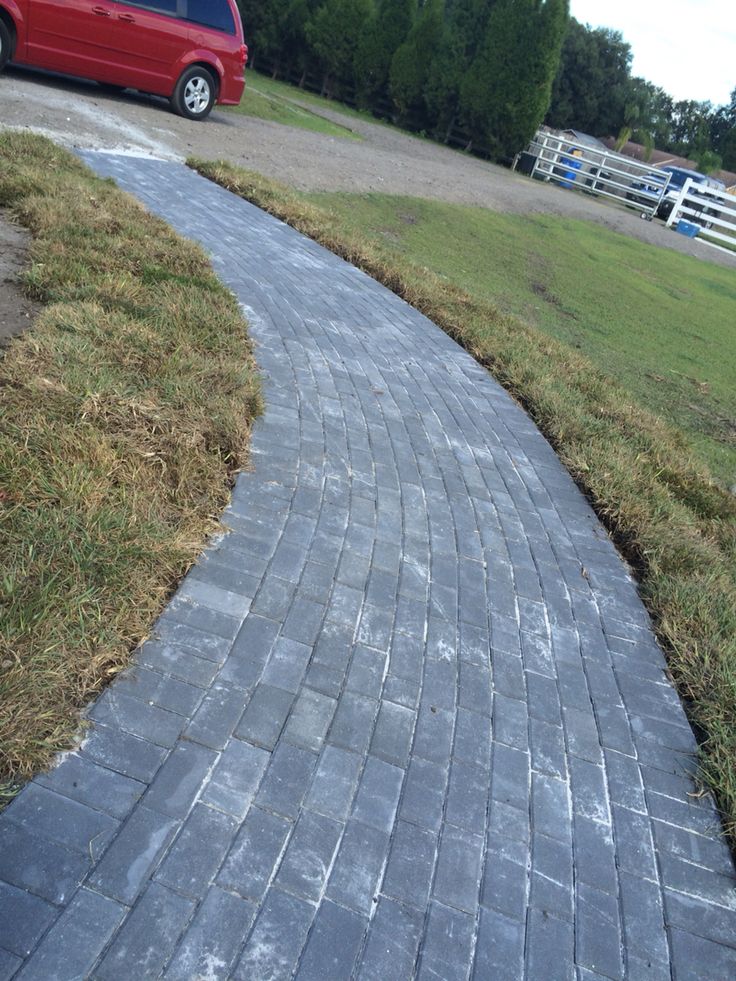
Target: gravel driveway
[(77, 113)]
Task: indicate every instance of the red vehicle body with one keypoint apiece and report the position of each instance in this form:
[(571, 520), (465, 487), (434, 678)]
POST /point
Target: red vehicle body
[(191, 51)]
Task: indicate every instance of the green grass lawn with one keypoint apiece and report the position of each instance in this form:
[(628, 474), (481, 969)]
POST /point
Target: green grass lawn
[(661, 323), (265, 99)]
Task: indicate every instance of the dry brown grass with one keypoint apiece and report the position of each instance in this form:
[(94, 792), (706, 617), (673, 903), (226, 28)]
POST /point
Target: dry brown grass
[(124, 413)]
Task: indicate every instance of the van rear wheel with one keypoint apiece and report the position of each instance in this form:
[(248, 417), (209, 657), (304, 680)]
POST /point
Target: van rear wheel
[(195, 93), (6, 44)]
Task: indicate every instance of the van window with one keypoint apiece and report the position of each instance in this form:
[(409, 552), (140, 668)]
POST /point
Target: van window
[(157, 6), (211, 13)]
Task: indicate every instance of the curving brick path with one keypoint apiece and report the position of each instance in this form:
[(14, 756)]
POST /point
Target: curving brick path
[(407, 719)]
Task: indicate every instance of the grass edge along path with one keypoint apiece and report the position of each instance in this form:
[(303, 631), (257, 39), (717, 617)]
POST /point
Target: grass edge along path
[(125, 412), (666, 514)]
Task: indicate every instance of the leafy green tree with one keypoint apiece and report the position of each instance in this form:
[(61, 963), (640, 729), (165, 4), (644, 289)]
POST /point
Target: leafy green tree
[(507, 91), (723, 133), (591, 87), (410, 65), (333, 33), (385, 32)]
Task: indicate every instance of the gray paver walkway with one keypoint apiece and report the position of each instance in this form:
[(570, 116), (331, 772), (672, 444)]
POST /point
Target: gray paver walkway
[(407, 719)]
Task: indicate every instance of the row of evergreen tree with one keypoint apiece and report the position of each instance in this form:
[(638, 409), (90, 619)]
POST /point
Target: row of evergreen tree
[(481, 67)]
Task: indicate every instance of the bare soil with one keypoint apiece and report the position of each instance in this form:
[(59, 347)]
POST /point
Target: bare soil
[(16, 310), (77, 113)]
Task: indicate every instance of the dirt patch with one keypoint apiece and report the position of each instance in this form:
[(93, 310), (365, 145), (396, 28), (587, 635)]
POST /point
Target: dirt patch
[(16, 311)]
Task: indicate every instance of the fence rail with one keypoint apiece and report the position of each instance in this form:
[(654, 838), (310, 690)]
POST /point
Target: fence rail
[(713, 211), (600, 172)]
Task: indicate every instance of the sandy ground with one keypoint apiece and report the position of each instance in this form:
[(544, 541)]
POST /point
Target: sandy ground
[(77, 113), (16, 312)]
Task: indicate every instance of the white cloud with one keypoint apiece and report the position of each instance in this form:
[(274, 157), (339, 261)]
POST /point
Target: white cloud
[(686, 46)]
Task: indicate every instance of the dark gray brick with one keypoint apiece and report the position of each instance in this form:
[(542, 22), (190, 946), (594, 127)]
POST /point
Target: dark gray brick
[(178, 662), (393, 943), (213, 940), (150, 722), (43, 867), (598, 932), (643, 923), (433, 733), (310, 719), (76, 940), (375, 627), (510, 776), (198, 851), (357, 872), (505, 886), (589, 791), (255, 854), (333, 944), (634, 846), (9, 964), (23, 919), (277, 939), (467, 797), (309, 855), (548, 749), (393, 733), (217, 716), (582, 735), (716, 923), (287, 779), (352, 726), (424, 794), (265, 716), (94, 785), (148, 936), (255, 639), (117, 750), (378, 794), (334, 783), (411, 863), (440, 682), (274, 598), (475, 687), (709, 886), (134, 855), (74, 825), (447, 949), (552, 876), (151, 686), (459, 863), (595, 860), (287, 664), (180, 780), (472, 739), (511, 722), (710, 851), (366, 672), (304, 620), (550, 806), (200, 620), (236, 777), (549, 947), (698, 959), (499, 951)]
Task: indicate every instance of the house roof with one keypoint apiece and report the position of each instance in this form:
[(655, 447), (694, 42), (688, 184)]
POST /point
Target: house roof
[(663, 158)]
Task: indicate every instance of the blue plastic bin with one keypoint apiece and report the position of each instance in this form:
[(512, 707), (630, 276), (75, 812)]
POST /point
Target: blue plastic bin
[(686, 228)]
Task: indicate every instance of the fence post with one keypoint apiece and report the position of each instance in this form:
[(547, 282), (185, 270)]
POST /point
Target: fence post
[(680, 198)]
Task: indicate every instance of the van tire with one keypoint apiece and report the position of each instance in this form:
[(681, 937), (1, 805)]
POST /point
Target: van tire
[(6, 44), (195, 93)]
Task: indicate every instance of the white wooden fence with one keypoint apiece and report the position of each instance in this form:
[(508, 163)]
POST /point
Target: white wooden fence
[(713, 211), (581, 167)]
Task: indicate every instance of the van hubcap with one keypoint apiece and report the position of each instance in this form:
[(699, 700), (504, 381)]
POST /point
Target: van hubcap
[(197, 94)]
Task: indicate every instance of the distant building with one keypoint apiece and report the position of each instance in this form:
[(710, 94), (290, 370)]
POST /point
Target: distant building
[(663, 158)]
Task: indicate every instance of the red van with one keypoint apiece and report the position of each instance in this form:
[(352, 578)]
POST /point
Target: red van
[(191, 51)]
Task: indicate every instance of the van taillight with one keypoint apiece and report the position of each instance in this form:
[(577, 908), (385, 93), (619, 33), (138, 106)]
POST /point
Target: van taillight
[(243, 54)]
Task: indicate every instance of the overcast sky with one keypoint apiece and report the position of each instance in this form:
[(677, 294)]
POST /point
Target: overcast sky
[(686, 46)]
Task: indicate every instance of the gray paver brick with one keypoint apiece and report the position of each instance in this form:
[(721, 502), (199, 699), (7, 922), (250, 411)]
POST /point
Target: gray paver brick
[(333, 944), (265, 715), (287, 779), (213, 940), (334, 783), (254, 855), (9, 964), (392, 736), (198, 851), (134, 855), (549, 952), (308, 856), (76, 940), (447, 950), (148, 936), (71, 824), (499, 950), (216, 718), (236, 777), (310, 719), (43, 867), (120, 751), (23, 919), (411, 864), (459, 870), (392, 944), (94, 785), (358, 867), (180, 779), (277, 939)]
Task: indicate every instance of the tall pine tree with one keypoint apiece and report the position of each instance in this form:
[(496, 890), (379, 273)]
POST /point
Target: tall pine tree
[(386, 31), (333, 34), (507, 91), (410, 65)]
